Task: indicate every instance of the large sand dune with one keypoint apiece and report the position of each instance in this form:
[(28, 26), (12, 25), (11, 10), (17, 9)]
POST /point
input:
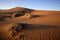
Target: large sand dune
[(43, 25)]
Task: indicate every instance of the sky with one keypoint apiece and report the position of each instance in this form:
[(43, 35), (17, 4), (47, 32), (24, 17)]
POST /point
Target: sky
[(32, 4)]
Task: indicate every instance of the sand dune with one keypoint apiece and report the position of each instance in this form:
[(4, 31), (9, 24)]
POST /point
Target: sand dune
[(43, 25)]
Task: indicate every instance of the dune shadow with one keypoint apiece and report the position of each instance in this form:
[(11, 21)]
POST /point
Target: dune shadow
[(19, 27), (34, 26), (35, 16), (2, 19)]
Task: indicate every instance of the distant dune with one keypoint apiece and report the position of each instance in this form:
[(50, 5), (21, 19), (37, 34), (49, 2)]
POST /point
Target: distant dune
[(16, 9), (19, 9)]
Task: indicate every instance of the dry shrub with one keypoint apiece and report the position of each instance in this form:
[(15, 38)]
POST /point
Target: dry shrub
[(28, 15)]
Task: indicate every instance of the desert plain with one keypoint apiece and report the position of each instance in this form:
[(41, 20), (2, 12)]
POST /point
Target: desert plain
[(32, 25)]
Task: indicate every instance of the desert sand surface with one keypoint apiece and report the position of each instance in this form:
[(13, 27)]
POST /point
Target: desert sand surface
[(43, 25)]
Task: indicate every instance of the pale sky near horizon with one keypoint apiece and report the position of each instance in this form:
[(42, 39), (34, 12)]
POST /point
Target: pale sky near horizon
[(33, 4)]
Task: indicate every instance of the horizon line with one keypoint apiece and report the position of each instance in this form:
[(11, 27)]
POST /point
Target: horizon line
[(29, 8)]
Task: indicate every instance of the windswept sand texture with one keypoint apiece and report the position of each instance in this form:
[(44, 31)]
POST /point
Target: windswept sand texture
[(43, 25)]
